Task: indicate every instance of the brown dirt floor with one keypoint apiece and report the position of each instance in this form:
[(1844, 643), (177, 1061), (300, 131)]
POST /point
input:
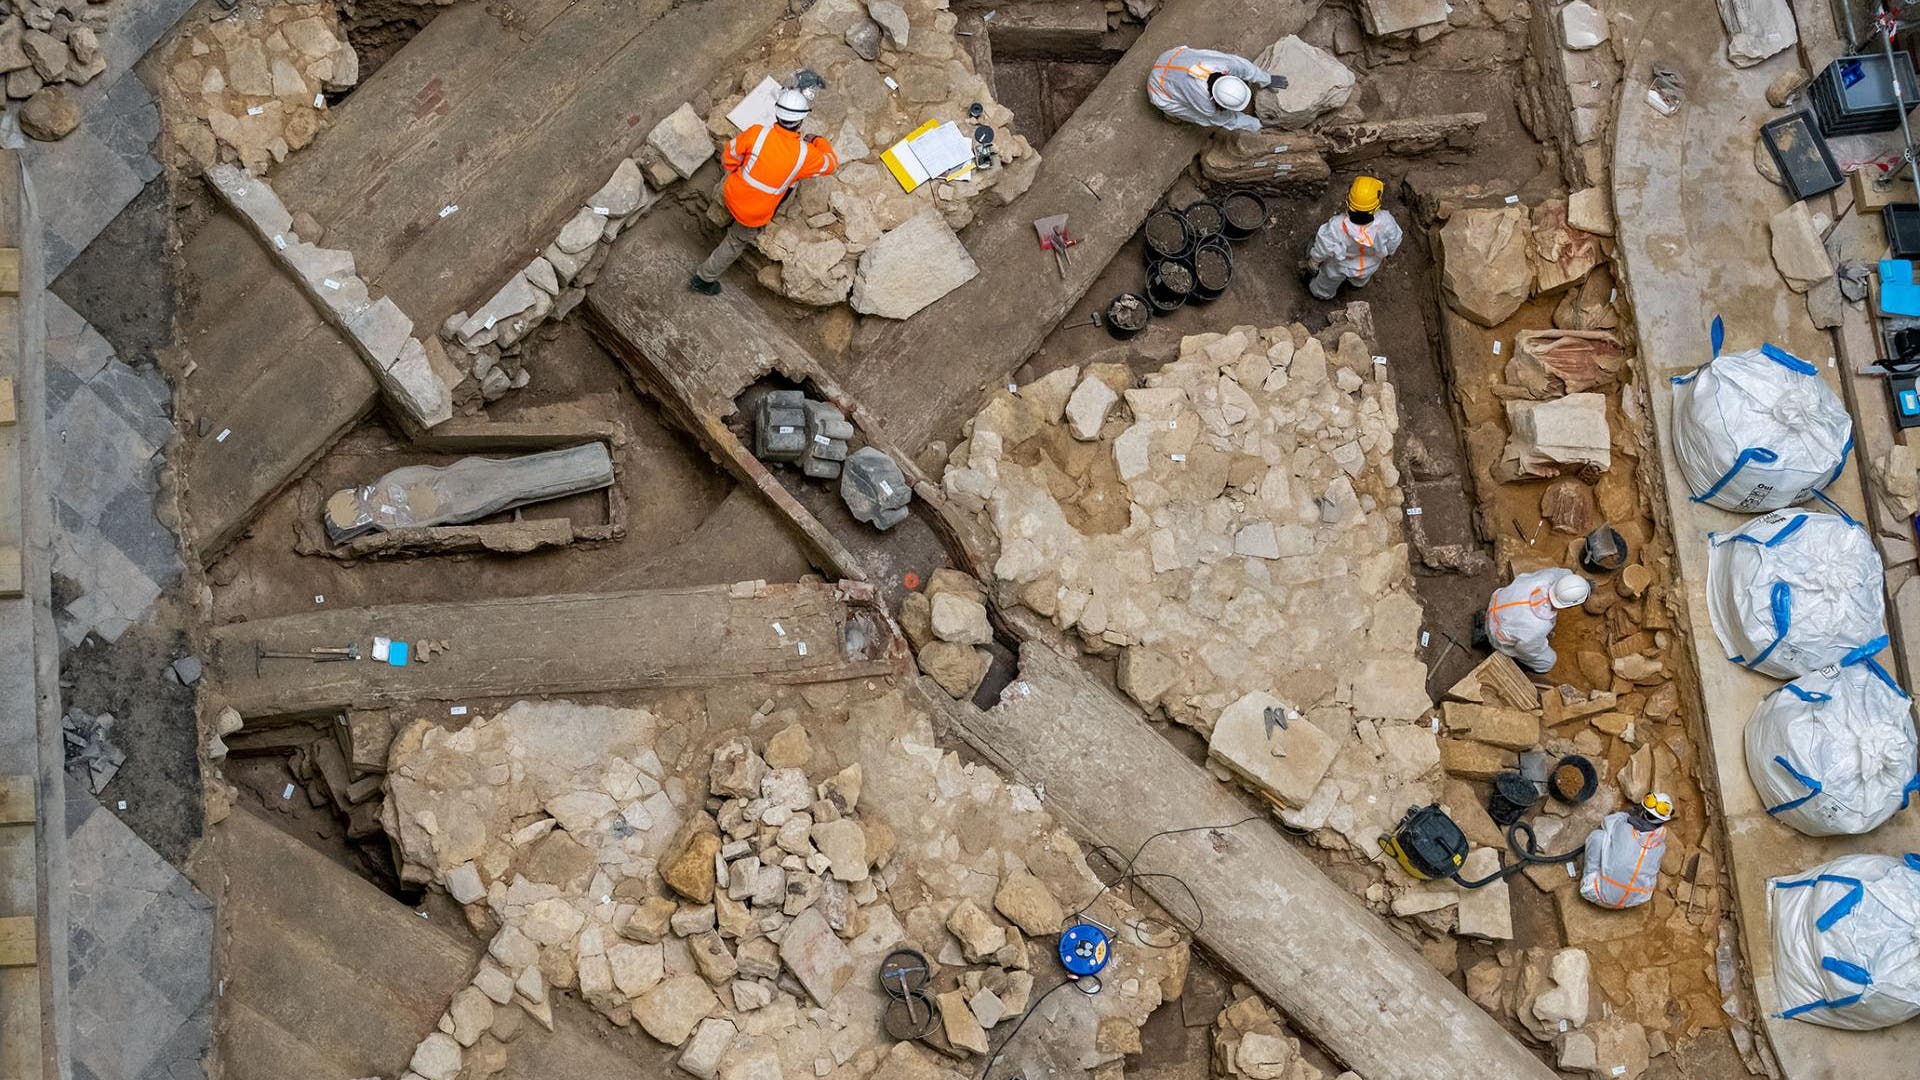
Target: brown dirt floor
[(669, 486)]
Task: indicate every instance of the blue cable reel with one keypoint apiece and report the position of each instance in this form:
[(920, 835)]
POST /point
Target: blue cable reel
[(1085, 948)]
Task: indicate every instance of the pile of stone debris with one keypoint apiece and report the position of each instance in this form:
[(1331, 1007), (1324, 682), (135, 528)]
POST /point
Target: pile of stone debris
[(257, 86), (947, 626), (738, 912), (88, 744), (1251, 1040), (44, 48), (1230, 530), (890, 66), (1549, 994)]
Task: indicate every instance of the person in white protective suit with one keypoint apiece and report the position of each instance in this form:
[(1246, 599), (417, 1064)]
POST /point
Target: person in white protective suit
[(1350, 247), (1623, 855), (1521, 615), (1214, 89)]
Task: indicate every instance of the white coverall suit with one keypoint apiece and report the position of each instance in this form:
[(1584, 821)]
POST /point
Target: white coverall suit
[(1622, 863), (1349, 253), (1177, 86), (1520, 619)]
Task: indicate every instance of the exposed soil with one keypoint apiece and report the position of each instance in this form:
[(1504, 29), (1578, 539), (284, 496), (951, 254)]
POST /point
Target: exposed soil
[(153, 724), (668, 486), (123, 283)]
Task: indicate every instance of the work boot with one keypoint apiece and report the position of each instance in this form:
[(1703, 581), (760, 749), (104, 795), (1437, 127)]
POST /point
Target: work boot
[(702, 285)]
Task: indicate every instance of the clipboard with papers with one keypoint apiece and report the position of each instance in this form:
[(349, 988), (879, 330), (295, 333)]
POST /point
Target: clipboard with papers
[(934, 150)]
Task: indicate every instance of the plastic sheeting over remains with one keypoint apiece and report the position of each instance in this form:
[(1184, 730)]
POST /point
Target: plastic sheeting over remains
[(1758, 430), (1795, 591), (1833, 752), (1846, 942)]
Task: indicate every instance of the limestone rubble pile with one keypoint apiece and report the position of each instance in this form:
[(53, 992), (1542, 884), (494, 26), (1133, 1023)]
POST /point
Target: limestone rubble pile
[(1252, 1041), (45, 49), (1552, 996), (1230, 533), (734, 902), (488, 342), (257, 84), (814, 245)]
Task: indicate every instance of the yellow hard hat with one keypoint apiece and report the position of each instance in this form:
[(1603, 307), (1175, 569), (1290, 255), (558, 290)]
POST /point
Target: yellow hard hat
[(1364, 195)]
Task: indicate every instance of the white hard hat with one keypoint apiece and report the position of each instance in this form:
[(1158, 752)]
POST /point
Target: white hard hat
[(791, 107), (1231, 92), (1658, 805), (1570, 591)]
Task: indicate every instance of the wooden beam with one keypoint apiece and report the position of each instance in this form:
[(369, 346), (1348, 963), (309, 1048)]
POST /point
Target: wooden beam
[(19, 942), (16, 800)]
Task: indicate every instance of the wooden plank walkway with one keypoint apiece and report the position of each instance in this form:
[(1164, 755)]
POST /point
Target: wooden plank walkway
[(514, 122)]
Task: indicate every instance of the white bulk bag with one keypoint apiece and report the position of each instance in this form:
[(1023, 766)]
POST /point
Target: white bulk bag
[(1758, 430), (1794, 591), (1833, 753), (1846, 942)]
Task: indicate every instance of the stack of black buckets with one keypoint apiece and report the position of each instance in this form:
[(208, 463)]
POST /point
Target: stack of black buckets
[(1189, 258)]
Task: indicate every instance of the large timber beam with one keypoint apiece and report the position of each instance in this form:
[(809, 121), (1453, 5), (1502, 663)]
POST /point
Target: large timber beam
[(1105, 168), (1313, 950), (560, 645)]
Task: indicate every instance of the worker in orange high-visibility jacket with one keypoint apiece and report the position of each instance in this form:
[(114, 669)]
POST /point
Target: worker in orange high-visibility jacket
[(763, 163)]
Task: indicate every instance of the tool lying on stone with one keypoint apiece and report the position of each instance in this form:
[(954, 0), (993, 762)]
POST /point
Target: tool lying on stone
[(911, 1013), (1055, 238), (1095, 319), (319, 654)]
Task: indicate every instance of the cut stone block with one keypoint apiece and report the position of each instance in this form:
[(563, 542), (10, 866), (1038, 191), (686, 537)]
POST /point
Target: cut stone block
[(624, 193), (516, 296), (911, 266), (682, 141), (1317, 83), (1485, 912), (1286, 761), (1510, 728), (1570, 431), (1394, 16), (817, 957), (380, 330), (1757, 29), (1798, 252), (1485, 272)]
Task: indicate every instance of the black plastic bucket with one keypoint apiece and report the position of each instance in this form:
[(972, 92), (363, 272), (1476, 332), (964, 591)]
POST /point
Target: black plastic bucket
[(1167, 236), (1212, 271), (1245, 213), (1128, 314), (1169, 284), (1206, 219)]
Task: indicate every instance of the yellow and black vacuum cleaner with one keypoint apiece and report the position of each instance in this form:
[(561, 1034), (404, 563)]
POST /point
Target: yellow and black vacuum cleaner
[(1427, 844), (1430, 846)]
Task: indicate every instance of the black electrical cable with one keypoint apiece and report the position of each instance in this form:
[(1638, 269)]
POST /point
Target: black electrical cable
[(1526, 854), (1139, 926), (995, 1056)]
